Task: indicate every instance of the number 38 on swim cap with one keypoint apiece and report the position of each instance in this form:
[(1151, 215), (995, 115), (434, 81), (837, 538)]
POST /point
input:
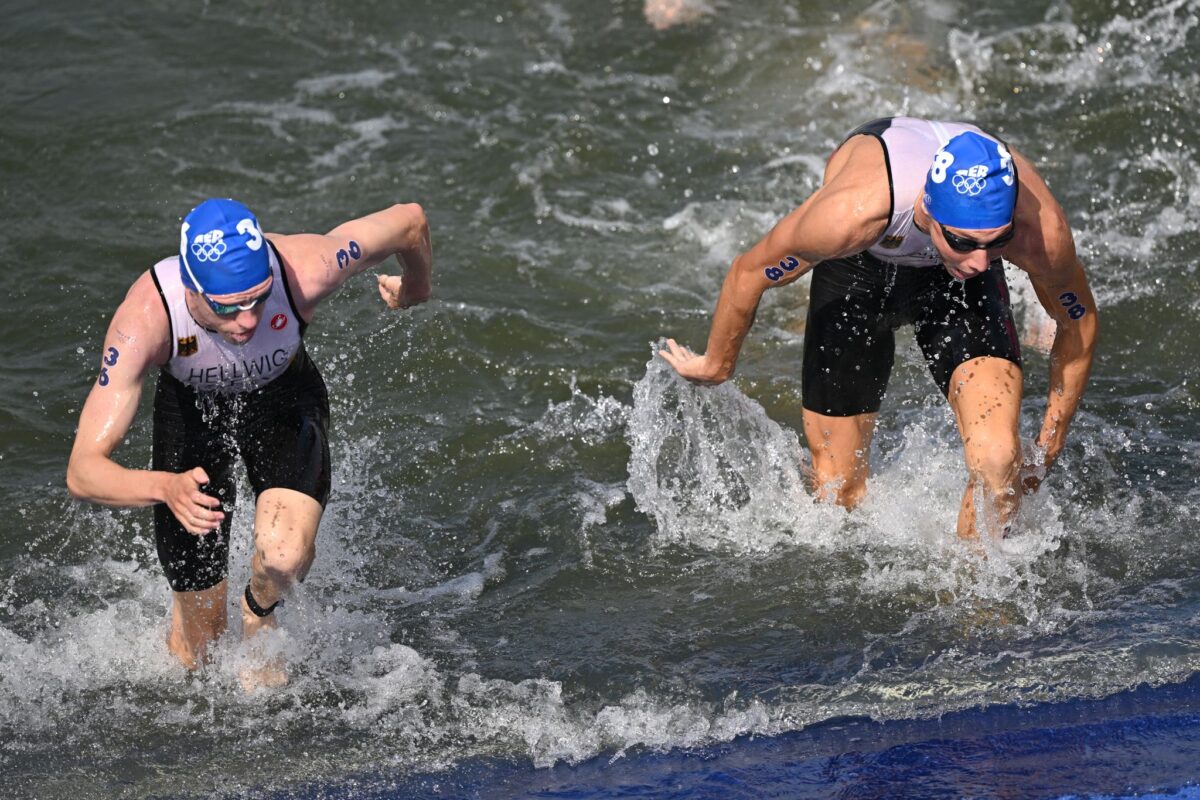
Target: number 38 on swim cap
[(221, 249), (972, 184)]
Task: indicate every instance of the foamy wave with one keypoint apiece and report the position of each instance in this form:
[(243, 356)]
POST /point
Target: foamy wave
[(1058, 52)]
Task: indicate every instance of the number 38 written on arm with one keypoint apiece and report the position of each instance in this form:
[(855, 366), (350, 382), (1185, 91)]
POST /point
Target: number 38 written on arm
[(1069, 301), (786, 265)]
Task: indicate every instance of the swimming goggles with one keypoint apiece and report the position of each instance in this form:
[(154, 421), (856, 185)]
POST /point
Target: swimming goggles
[(961, 244), (226, 309)]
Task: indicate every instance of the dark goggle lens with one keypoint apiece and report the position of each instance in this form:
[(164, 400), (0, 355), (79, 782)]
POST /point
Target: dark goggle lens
[(961, 244)]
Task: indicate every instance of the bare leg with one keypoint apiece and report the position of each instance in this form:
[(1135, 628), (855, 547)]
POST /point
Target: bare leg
[(197, 620), (285, 534), (985, 394), (840, 447)]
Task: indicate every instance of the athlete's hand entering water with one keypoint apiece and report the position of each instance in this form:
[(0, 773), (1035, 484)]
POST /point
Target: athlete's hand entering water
[(1034, 466), (197, 512), (694, 368)]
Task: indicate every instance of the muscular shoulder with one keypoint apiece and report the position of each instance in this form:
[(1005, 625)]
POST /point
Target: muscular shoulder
[(140, 326), (143, 311), (309, 261), (853, 204), (859, 160), (305, 251), (857, 175), (1044, 240)]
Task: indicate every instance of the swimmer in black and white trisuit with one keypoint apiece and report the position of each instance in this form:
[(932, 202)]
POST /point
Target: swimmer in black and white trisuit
[(223, 321), (904, 202)]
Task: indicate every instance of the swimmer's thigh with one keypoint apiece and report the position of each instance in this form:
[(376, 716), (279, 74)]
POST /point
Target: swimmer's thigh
[(848, 348), (285, 441), (960, 321), (183, 440)]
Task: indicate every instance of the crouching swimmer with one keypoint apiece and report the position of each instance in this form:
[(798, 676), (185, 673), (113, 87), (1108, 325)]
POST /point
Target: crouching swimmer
[(909, 228), (224, 322)]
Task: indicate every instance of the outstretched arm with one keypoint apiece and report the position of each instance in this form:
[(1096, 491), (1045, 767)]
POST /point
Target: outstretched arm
[(137, 339), (319, 265), (837, 220), (1062, 287), (1066, 296)]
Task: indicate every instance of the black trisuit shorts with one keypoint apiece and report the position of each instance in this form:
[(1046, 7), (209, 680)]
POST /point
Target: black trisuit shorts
[(280, 431), (858, 302)]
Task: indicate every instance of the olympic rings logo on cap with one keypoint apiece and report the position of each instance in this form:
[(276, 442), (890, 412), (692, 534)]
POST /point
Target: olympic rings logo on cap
[(209, 246), (970, 181)]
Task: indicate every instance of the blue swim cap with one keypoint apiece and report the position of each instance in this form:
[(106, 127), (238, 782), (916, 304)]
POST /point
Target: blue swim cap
[(972, 183), (221, 249)]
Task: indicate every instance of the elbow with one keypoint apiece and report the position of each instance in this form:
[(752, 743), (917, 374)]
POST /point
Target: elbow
[(741, 265), (1091, 332), (413, 211), (746, 277), (78, 485), (414, 222), (74, 487)]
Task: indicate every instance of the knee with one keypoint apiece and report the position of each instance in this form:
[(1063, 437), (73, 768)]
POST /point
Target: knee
[(995, 458), (844, 490), (284, 564)]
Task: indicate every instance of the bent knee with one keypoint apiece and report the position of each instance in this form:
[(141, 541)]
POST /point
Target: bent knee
[(285, 564), (845, 491), (994, 458)]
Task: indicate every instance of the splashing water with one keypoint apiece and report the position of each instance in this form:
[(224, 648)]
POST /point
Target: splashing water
[(709, 467), (538, 549)]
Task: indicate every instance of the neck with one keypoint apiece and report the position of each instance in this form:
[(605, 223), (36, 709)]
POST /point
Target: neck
[(921, 218), (192, 301)]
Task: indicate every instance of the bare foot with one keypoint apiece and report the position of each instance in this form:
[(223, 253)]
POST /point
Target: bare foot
[(182, 653), (264, 672), (269, 675)]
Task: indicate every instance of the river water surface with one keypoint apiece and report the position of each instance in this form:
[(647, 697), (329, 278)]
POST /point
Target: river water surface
[(541, 546)]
